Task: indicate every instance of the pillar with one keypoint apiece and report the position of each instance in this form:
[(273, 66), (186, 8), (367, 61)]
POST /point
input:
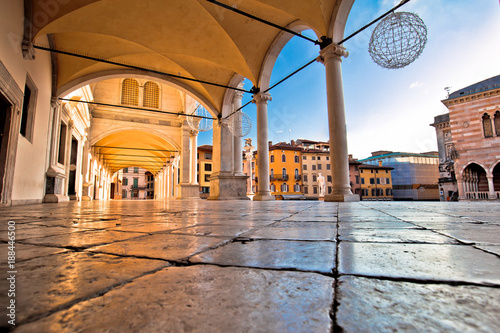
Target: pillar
[(491, 194), (237, 143), (193, 142), (331, 56), (249, 157), (185, 189), (461, 187), (263, 193)]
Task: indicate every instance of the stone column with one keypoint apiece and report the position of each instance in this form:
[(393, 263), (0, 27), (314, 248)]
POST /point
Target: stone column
[(331, 56), (237, 143), (186, 189), (263, 192), (461, 185), (193, 142), (249, 157), (491, 186), (175, 169)]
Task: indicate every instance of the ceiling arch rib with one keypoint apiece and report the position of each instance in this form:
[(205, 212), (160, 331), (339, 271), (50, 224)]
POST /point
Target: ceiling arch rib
[(134, 148)]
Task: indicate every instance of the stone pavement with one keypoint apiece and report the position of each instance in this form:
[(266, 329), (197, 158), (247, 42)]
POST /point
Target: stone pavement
[(204, 266)]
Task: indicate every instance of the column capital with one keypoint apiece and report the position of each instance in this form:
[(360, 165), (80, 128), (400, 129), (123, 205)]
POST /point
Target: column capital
[(237, 95), (55, 102), (262, 97), (332, 51), (194, 133)]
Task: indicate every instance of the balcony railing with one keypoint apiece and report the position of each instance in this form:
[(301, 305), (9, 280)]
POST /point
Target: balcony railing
[(279, 177), (298, 177), (476, 195)]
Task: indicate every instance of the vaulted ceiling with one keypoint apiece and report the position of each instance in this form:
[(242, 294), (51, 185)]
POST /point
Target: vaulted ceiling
[(192, 38)]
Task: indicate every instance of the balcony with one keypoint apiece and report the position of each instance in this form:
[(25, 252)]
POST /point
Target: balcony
[(298, 177), (279, 177)]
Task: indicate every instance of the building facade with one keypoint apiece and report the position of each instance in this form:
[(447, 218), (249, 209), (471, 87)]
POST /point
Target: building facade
[(205, 167), (414, 176), (474, 151), (134, 183), (376, 182)]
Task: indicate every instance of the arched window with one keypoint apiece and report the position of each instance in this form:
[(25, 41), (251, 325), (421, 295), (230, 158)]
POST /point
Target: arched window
[(283, 158), (497, 123), (130, 92), (272, 173), (296, 159), (284, 187), (297, 187), (272, 158), (151, 95), (488, 129), (296, 172), (283, 171), (273, 188)]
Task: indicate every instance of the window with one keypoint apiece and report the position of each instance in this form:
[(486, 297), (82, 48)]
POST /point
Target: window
[(62, 142), (329, 178), (306, 190), (378, 180), (329, 190), (497, 123), (136, 170), (125, 181), (273, 188), (28, 110), (304, 157), (124, 194), (284, 187), (328, 167), (272, 158), (283, 171), (356, 168), (319, 166), (296, 172), (136, 183), (388, 191), (357, 179), (362, 181), (314, 178), (488, 130), (314, 158), (372, 181), (151, 95), (373, 192), (130, 92), (296, 187), (283, 158), (208, 167), (272, 172), (315, 190), (208, 156), (314, 167), (319, 158), (305, 178), (388, 181), (328, 158), (125, 170), (296, 158), (304, 167), (207, 178)]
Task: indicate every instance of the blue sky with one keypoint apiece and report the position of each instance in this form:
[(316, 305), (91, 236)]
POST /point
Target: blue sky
[(385, 109)]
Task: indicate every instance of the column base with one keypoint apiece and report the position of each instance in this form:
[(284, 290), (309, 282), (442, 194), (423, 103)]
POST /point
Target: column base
[(226, 186), (188, 191), (54, 198), (264, 197), (74, 197), (86, 198), (341, 198)]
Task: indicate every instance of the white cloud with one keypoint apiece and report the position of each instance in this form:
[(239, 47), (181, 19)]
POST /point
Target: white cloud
[(416, 84)]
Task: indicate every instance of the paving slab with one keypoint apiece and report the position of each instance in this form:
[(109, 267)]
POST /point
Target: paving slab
[(376, 225), (26, 251), (47, 283), (297, 224), (84, 239), (279, 254), (394, 306), (459, 263), (292, 233), (163, 246), (484, 234), (154, 227), (39, 232), (203, 299), (213, 230), (386, 235), (489, 248)]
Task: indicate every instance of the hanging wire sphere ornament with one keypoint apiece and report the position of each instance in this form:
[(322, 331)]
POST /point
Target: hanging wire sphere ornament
[(398, 40), (200, 124), (240, 124)]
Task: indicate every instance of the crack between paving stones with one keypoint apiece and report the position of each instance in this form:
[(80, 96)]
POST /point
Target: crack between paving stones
[(335, 305), (425, 281)]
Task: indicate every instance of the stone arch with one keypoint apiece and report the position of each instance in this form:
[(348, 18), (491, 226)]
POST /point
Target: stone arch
[(136, 74), (475, 181), (339, 20), (102, 135)]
